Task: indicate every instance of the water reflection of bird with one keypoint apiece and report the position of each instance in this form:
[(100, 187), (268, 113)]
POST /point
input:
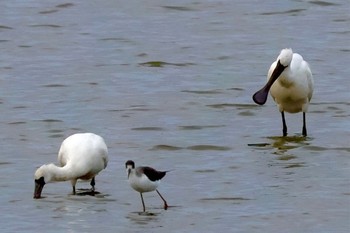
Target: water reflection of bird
[(81, 156), (144, 179), (291, 83)]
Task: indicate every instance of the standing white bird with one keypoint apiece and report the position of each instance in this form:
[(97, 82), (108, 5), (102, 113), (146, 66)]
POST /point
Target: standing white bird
[(81, 156), (144, 179), (291, 83)]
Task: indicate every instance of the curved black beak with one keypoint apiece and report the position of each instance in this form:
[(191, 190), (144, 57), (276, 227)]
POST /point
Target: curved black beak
[(38, 188), (260, 96)]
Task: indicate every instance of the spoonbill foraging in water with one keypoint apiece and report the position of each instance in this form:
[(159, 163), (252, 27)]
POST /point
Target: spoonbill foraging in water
[(81, 156), (144, 179), (291, 85)]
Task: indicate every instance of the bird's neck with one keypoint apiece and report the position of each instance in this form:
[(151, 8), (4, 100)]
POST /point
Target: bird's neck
[(133, 172), (59, 173)]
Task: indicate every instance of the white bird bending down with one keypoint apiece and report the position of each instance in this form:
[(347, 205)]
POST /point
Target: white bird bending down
[(144, 179), (291, 83), (81, 156)]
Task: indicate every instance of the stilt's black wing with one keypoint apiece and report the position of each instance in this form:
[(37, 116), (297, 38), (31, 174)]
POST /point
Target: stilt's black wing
[(153, 174)]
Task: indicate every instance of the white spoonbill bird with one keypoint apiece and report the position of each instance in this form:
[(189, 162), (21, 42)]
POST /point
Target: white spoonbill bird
[(144, 179), (291, 85), (81, 156)]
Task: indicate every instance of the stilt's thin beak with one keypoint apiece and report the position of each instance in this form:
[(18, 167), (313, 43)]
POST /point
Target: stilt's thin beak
[(129, 170), (260, 96), (38, 188)]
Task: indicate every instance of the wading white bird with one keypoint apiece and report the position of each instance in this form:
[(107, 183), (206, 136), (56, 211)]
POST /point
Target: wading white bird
[(81, 156), (144, 179), (291, 85)]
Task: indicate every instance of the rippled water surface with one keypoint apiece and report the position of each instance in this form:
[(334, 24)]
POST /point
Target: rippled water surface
[(169, 84)]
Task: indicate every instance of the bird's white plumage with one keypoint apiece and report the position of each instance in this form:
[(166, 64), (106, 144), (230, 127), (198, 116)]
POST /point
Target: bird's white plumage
[(285, 57), (81, 156), (292, 91), (290, 83), (85, 154), (141, 183)]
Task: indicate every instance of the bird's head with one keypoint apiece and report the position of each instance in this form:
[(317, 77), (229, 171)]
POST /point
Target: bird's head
[(41, 176), (129, 165), (285, 57), (283, 61)]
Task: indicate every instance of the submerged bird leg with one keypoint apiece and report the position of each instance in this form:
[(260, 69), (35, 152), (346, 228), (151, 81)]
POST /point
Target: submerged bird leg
[(304, 125), (92, 183), (74, 190), (165, 204), (143, 203), (284, 124)]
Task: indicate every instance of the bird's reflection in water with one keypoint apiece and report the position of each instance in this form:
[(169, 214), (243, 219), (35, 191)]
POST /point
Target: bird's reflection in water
[(284, 144), (143, 218), (283, 148)]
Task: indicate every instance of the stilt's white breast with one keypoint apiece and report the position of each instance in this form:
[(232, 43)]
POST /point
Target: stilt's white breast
[(142, 183)]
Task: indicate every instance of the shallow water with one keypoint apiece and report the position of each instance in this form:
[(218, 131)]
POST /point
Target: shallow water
[(169, 84)]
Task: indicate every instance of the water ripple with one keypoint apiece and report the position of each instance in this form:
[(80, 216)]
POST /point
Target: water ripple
[(321, 148), (292, 12), (45, 25), (166, 147), (199, 127), (202, 147), (54, 85), (65, 5), (225, 199), (48, 11), (51, 121), (238, 106), (294, 165), (201, 92), (150, 128), (323, 3), (5, 27), (162, 64), (205, 171), (209, 147), (5, 163), (17, 123), (178, 8)]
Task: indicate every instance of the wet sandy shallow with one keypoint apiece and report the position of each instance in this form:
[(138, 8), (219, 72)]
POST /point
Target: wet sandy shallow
[(172, 89)]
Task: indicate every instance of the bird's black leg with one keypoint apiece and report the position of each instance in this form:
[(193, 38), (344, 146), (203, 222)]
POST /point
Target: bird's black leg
[(304, 125), (143, 203), (165, 204), (92, 183), (284, 124), (74, 190)]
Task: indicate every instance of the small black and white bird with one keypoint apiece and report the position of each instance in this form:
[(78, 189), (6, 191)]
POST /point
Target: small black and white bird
[(144, 179)]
